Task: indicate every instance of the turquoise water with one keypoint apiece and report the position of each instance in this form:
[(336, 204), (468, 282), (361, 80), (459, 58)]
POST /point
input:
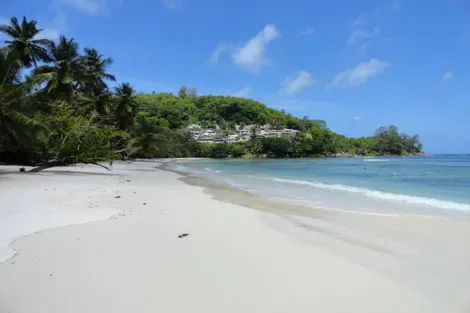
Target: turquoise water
[(430, 185)]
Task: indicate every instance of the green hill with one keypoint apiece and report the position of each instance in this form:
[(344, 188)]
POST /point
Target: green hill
[(228, 114), (225, 111)]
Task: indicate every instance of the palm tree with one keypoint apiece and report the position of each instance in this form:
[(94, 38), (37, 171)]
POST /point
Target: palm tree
[(17, 126), (24, 43), (95, 66), (65, 74), (126, 106), (97, 105), (148, 137)]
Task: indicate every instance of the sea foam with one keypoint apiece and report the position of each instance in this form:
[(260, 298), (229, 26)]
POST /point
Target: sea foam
[(414, 200)]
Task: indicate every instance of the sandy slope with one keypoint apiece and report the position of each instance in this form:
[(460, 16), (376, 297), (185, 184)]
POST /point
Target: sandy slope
[(232, 260)]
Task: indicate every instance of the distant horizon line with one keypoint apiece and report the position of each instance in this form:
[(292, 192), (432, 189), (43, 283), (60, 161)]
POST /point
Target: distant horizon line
[(464, 153)]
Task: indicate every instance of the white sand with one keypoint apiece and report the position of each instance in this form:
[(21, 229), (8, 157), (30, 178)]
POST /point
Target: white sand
[(233, 260), (33, 202)]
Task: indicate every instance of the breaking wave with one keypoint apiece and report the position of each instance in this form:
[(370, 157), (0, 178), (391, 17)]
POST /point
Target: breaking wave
[(436, 203)]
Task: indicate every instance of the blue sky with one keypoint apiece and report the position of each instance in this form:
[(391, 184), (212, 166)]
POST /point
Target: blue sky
[(356, 64)]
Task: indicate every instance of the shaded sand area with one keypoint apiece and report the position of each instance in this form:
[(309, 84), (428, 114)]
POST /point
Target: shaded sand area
[(120, 250)]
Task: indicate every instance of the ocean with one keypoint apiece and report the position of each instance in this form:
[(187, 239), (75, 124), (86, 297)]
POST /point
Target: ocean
[(429, 185)]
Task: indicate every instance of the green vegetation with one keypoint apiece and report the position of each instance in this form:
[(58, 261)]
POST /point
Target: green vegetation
[(56, 108)]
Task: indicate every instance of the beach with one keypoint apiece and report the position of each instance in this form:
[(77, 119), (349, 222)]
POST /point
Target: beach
[(89, 240)]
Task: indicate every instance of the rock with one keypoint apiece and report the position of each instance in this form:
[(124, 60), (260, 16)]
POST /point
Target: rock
[(22, 169), (342, 155), (183, 235)]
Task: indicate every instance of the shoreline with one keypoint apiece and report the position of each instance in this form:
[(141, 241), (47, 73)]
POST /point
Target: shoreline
[(234, 260), (415, 203), (16, 167)]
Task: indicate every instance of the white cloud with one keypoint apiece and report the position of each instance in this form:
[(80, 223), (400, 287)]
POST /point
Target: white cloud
[(215, 56), (87, 6), (357, 119), (295, 83), (359, 21), (174, 4), (56, 28), (385, 9), (307, 32), (360, 74), (243, 93), (363, 29), (252, 55), (60, 21), (50, 33), (447, 77), (359, 34)]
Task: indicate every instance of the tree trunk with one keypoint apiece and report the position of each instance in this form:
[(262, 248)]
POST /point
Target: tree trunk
[(61, 163)]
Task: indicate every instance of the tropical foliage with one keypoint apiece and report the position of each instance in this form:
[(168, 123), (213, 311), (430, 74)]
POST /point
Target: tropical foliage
[(24, 42), (57, 107)]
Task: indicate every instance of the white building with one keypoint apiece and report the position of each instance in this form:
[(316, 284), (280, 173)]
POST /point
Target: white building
[(209, 133), (289, 131), (193, 128), (244, 132), (232, 137)]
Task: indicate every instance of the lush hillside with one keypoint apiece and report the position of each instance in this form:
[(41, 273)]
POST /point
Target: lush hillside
[(56, 108), (182, 110), (228, 113)]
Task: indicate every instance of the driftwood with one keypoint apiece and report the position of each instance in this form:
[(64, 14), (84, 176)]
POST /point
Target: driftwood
[(183, 235), (61, 163)]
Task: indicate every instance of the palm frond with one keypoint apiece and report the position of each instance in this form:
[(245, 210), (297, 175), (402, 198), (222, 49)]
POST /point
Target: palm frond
[(8, 30), (109, 77), (24, 120)]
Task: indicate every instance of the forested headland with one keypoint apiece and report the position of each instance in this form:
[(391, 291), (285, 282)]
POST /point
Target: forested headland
[(60, 105)]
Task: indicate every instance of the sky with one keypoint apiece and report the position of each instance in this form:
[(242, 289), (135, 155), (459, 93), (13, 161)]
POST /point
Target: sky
[(356, 64)]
